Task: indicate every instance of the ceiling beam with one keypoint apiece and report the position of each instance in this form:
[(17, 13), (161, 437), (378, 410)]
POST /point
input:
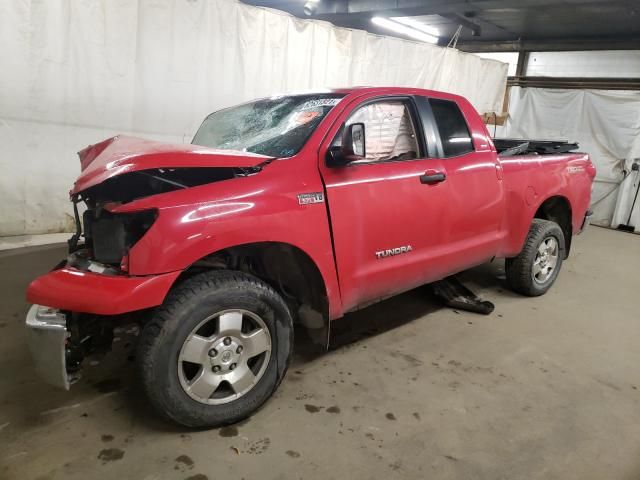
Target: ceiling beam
[(551, 45), (576, 82), (342, 10), (476, 30)]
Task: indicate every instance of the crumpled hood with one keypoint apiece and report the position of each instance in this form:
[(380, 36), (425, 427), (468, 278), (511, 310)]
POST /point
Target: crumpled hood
[(122, 154)]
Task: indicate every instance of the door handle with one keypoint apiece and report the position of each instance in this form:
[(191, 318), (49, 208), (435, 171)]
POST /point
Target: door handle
[(432, 178)]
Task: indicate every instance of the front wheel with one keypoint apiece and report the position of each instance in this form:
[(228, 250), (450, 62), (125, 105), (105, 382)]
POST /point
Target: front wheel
[(537, 266), (216, 350)]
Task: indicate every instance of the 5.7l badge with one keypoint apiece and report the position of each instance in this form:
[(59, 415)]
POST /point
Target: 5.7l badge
[(308, 198)]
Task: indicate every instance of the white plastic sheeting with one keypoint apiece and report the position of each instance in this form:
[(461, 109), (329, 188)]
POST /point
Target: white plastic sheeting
[(606, 124), (74, 73)]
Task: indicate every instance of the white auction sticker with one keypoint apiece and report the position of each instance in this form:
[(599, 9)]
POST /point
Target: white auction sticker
[(320, 102)]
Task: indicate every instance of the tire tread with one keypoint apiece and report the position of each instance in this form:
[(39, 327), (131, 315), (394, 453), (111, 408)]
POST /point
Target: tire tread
[(518, 270), (155, 331)]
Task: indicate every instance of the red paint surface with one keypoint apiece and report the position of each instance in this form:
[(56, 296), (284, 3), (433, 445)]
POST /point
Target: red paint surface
[(479, 212), (123, 154), (78, 291)]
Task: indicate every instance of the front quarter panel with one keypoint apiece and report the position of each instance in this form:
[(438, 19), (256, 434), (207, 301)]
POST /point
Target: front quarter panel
[(262, 207)]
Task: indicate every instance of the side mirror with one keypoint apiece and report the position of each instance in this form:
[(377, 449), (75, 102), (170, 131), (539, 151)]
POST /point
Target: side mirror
[(353, 140), (353, 146)]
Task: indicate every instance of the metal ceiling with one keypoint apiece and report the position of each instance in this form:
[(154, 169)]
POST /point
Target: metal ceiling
[(492, 25)]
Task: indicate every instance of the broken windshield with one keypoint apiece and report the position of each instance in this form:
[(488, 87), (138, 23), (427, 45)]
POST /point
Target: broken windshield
[(276, 126)]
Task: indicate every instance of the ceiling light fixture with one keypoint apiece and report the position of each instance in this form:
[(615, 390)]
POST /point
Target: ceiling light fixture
[(410, 22), (310, 7), (404, 29)]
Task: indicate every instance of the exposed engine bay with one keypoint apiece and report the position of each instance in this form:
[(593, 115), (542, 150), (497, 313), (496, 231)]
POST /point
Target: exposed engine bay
[(108, 236), (103, 239)]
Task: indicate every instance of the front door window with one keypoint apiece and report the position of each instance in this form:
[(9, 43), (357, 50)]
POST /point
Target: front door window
[(389, 131)]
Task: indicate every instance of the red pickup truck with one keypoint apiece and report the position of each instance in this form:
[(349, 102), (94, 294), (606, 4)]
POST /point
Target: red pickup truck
[(290, 209)]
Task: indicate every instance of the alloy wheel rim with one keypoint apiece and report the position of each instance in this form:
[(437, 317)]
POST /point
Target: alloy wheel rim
[(224, 356), (546, 260)]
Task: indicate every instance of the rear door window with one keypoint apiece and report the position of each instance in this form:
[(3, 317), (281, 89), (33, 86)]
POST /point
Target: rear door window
[(452, 127)]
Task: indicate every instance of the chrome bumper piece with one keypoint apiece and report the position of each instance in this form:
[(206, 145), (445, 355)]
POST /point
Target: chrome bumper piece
[(47, 335)]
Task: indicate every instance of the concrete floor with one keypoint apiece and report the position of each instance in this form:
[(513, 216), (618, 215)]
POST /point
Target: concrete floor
[(543, 388)]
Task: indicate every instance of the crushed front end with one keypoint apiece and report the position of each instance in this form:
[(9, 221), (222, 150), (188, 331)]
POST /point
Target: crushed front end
[(124, 256), (77, 305)]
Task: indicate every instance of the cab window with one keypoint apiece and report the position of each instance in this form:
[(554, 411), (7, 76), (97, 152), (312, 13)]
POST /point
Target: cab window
[(452, 126)]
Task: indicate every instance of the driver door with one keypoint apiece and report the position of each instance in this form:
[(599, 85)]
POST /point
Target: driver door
[(388, 208)]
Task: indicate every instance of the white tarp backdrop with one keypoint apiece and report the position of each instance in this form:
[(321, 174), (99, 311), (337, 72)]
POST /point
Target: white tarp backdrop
[(73, 73), (606, 124)]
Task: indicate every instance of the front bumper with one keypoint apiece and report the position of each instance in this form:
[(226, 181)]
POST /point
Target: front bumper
[(80, 291), (69, 289), (47, 336)]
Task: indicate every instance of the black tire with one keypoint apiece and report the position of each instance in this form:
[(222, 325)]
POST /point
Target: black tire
[(191, 302), (520, 269)]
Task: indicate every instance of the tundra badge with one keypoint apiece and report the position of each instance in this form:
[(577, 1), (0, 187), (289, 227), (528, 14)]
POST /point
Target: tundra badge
[(393, 251)]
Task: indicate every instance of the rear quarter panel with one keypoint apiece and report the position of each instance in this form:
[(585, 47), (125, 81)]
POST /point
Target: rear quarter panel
[(530, 180)]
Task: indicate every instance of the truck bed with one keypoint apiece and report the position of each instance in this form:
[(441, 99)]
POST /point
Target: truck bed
[(519, 146)]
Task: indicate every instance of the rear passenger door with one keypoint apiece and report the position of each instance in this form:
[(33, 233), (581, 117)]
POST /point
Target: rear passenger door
[(475, 190)]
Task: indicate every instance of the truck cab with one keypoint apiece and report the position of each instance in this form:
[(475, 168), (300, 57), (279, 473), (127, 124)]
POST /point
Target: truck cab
[(425, 193)]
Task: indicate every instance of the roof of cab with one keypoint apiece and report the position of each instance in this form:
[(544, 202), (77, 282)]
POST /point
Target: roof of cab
[(361, 90)]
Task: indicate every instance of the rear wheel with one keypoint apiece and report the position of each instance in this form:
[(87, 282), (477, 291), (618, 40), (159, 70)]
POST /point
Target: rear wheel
[(216, 350), (536, 268)]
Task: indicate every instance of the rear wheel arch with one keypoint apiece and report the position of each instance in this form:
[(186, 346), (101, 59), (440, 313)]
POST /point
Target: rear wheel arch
[(558, 210)]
